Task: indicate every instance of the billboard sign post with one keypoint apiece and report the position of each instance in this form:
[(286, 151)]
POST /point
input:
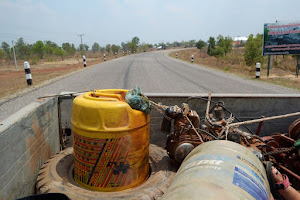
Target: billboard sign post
[(282, 39)]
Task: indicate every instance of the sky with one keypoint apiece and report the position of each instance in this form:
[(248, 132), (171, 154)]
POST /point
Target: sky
[(153, 21)]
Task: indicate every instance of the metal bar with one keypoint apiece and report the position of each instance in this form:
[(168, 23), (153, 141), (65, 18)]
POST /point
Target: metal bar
[(269, 63), (259, 127), (264, 119), (289, 172)]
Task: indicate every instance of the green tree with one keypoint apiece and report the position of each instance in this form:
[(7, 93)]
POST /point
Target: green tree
[(191, 43), (224, 44), (135, 40), (69, 48), (253, 50), (143, 47), (108, 48), (39, 49), (211, 45), (50, 48), (175, 44), (96, 47), (102, 49), (58, 51), (115, 48), (6, 48), (50, 43), (23, 50), (124, 46), (132, 46), (2, 54), (200, 44)]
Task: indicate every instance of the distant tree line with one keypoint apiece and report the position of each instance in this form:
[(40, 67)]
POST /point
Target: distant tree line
[(38, 50), (218, 47), (221, 46)]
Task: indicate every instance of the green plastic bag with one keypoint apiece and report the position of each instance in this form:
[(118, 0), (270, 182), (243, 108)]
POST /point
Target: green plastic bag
[(137, 100)]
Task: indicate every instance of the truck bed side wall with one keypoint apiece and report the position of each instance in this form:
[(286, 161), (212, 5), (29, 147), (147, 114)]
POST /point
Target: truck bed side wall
[(243, 106), (27, 139)]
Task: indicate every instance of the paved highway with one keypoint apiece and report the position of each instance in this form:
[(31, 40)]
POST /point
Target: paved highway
[(154, 72)]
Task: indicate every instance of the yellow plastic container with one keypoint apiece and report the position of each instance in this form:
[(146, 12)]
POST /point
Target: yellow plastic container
[(111, 142)]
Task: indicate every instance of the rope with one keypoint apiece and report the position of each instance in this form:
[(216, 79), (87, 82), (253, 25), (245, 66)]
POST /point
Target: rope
[(159, 107), (200, 138), (263, 119)]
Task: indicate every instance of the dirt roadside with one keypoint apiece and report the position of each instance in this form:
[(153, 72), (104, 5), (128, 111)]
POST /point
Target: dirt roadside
[(283, 73), (13, 83)]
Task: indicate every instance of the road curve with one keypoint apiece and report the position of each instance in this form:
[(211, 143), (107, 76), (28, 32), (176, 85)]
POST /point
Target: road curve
[(154, 72)]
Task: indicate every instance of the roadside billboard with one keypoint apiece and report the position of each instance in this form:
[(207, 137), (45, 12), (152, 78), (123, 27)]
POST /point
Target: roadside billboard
[(281, 38)]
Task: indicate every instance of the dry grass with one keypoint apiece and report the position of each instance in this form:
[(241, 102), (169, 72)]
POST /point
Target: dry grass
[(282, 73), (13, 81)]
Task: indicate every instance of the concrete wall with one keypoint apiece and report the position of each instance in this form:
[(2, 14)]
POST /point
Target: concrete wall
[(27, 139)]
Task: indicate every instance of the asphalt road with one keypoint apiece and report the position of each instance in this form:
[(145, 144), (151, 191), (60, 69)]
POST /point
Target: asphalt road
[(154, 72)]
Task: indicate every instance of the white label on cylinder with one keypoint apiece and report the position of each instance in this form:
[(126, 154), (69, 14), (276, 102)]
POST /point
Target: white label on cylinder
[(28, 76), (26, 65), (257, 73)]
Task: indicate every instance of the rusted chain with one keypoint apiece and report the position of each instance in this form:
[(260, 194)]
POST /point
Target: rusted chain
[(279, 151)]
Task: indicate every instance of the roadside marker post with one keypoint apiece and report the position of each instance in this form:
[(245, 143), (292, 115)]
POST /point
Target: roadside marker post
[(257, 70), (176, 55), (104, 57), (192, 59), (129, 52), (123, 53), (116, 54), (84, 62), (28, 73)]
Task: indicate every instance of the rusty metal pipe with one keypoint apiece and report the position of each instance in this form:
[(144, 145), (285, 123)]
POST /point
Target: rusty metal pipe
[(259, 127), (289, 172)]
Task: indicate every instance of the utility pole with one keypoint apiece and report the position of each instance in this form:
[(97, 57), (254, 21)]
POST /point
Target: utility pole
[(81, 41), (13, 46)]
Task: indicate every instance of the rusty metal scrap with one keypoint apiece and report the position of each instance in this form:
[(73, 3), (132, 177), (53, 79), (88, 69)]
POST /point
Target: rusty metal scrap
[(189, 132)]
